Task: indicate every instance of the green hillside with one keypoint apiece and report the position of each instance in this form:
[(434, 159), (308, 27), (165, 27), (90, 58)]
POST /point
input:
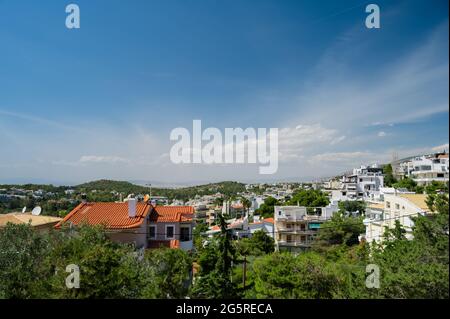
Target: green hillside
[(107, 186)]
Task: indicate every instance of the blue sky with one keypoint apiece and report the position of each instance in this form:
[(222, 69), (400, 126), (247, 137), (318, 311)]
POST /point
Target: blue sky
[(100, 102)]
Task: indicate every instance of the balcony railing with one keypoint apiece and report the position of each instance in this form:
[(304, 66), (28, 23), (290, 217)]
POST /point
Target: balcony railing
[(306, 243)]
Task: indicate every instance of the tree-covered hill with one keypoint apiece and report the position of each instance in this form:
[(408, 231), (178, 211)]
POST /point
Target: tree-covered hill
[(226, 188)]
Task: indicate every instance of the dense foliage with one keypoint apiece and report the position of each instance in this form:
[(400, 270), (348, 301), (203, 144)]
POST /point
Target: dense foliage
[(266, 209), (309, 198), (33, 265)]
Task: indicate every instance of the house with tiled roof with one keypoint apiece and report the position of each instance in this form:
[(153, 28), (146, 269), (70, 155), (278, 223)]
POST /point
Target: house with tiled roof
[(171, 226), (265, 225), (241, 228), (139, 223)]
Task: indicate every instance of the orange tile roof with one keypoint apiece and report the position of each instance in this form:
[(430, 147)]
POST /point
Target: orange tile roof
[(111, 215), (266, 220), (167, 214)]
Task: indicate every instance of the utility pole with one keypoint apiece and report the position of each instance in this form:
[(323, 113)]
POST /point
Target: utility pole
[(244, 273), (150, 185)]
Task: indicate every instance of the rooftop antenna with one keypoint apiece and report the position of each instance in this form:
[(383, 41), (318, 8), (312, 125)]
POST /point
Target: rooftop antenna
[(24, 209), (36, 211)]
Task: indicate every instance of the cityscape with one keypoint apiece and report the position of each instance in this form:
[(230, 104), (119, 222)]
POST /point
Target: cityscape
[(224, 158)]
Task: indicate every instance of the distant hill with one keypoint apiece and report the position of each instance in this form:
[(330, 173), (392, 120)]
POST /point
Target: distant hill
[(227, 188)]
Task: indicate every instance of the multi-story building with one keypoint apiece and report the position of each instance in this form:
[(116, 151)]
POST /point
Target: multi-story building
[(423, 169), (399, 206), (361, 183), (295, 226)]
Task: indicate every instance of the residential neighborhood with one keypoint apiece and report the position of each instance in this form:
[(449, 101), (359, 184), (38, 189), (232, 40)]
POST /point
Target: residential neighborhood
[(219, 159)]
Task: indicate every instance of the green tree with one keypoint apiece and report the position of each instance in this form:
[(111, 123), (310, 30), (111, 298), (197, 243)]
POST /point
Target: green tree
[(307, 275), (246, 203), (259, 244), (389, 178), (309, 198), (22, 254), (407, 183), (352, 206), (199, 236), (266, 209), (340, 230), (216, 283), (435, 187), (107, 269), (168, 273)]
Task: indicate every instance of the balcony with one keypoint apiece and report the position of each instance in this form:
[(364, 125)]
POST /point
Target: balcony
[(307, 243)]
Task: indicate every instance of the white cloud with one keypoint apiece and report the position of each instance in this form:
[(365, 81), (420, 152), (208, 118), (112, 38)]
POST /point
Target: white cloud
[(102, 159), (440, 148), (406, 90), (295, 143), (382, 134)]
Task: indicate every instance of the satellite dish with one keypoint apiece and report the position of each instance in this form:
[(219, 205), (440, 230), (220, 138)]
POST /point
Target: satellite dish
[(24, 209), (36, 211)]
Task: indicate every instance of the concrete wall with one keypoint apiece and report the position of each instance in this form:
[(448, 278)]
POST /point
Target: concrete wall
[(137, 236)]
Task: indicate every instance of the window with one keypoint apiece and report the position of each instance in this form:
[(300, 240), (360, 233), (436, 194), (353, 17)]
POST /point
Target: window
[(185, 234), (397, 206), (152, 231), (170, 230), (388, 205), (289, 238)]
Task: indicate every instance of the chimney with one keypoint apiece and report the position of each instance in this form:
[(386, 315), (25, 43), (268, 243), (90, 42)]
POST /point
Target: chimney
[(132, 207)]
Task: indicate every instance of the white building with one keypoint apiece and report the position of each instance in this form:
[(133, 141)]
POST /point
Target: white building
[(361, 183), (424, 169), (266, 225), (295, 227), (401, 207)]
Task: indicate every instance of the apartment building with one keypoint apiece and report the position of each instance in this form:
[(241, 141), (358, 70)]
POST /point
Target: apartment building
[(424, 169), (399, 206), (295, 226), (362, 183)]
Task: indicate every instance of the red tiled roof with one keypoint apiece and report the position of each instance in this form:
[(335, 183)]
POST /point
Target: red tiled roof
[(111, 215), (266, 220), (174, 243), (165, 214)]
